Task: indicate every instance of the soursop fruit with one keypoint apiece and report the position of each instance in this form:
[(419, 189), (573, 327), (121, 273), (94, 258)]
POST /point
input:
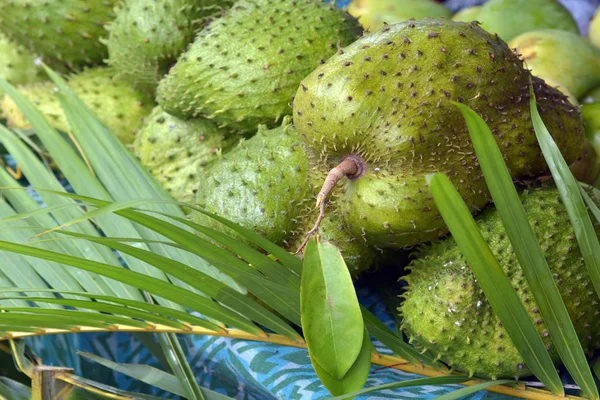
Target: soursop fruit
[(17, 65), (177, 152), (510, 18), (243, 68), (372, 14), (147, 36), (563, 57), (446, 313), (63, 32), (117, 105), (467, 14), (380, 114)]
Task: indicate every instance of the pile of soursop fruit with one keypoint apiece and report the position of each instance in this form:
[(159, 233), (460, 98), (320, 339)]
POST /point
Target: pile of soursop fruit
[(257, 109)]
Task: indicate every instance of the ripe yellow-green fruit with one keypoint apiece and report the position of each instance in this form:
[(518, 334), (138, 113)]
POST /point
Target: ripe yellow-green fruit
[(510, 18), (372, 14), (446, 313), (243, 68), (17, 65), (560, 56), (467, 14), (594, 29), (63, 32), (380, 114), (117, 105)]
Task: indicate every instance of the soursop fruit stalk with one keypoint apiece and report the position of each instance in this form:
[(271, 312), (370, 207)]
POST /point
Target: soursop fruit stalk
[(243, 68), (178, 152), (63, 32), (379, 113), (117, 105), (147, 36), (17, 65), (446, 313)]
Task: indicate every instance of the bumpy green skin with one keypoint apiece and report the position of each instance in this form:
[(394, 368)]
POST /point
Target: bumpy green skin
[(63, 32), (177, 152), (245, 85), (561, 56), (446, 312), (261, 184), (510, 18), (117, 105), (467, 14), (387, 98), (17, 65), (147, 36), (372, 14)]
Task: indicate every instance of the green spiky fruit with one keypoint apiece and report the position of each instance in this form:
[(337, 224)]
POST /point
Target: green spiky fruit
[(261, 184), (177, 152), (117, 105), (384, 104), (63, 32), (562, 57), (372, 14), (510, 18), (467, 14), (147, 36), (245, 85), (446, 312), (17, 65)]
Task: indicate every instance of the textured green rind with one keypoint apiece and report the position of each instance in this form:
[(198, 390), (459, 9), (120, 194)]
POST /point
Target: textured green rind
[(63, 32), (372, 14), (446, 312), (117, 105), (245, 85), (510, 18), (467, 14), (177, 152), (17, 65), (560, 56), (387, 99), (147, 36), (261, 184)]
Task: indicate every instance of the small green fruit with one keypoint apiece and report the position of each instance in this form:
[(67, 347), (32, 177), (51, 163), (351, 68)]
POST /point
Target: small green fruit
[(178, 152), (594, 29), (467, 14), (446, 313), (117, 105), (242, 86), (372, 14), (510, 18), (562, 57), (63, 32), (17, 65)]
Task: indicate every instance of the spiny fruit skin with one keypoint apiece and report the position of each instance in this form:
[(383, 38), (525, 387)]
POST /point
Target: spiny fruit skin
[(510, 18), (261, 184), (177, 152), (117, 105), (372, 14), (63, 32), (387, 98), (147, 36), (467, 14), (17, 65), (446, 313), (245, 85), (564, 57)]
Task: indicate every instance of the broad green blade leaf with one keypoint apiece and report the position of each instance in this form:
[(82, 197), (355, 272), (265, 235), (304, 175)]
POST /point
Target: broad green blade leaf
[(497, 288), (331, 318), (570, 195), (457, 394), (590, 203), (13, 390), (438, 380), (356, 376), (151, 376), (528, 251), (82, 317), (179, 365)]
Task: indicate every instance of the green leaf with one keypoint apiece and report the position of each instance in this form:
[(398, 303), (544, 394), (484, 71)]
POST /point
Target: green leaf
[(590, 203), (91, 389), (356, 376), (457, 394), (22, 362), (570, 195), (497, 288), (438, 380), (528, 251), (13, 390), (331, 318), (597, 367)]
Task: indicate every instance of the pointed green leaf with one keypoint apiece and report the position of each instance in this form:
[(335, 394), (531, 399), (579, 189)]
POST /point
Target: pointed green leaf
[(179, 365), (457, 394), (13, 390)]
